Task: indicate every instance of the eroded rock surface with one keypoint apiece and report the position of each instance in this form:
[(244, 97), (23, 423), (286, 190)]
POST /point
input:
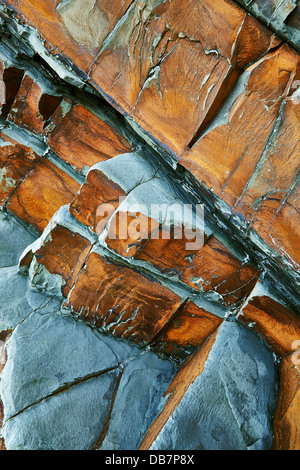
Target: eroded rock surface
[(70, 385), (210, 406), (149, 245)]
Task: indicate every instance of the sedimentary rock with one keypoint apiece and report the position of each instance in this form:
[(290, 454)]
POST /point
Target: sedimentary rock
[(149, 213), (121, 300), (42, 193), (17, 161), (278, 326), (206, 393), (90, 370), (81, 138), (286, 417), (14, 238)]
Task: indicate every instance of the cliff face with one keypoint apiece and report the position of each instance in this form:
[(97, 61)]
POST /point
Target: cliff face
[(149, 245)]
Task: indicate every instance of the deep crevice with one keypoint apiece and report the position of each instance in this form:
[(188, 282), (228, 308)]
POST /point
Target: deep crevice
[(105, 428), (12, 78), (47, 106), (293, 19), (64, 388)]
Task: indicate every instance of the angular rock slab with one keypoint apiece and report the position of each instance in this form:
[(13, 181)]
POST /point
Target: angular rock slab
[(42, 193), (60, 383), (190, 328), (14, 238), (73, 29), (277, 325), (32, 106), (282, 16), (81, 138), (122, 301), (286, 417), (16, 162), (55, 259), (136, 402), (18, 300), (64, 422), (227, 153), (170, 74), (222, 399)]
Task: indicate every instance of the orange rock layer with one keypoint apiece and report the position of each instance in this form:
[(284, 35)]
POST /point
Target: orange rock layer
[(222, 102)]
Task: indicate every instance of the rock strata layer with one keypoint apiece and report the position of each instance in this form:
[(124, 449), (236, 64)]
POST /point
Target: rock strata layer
[(149, 225)]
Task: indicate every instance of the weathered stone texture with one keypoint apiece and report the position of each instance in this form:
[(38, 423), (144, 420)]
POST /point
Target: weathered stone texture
[(122, 301), (81, 138), (41, 194), (200, 401), (17, 161), (169, 74), (278, 326), (128, 320), (283, 17), (78, 372), (286, 417)]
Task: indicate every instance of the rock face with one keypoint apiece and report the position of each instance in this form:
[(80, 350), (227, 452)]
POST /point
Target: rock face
[(149, 242), (76, 391), (209, 406), (284, 17)]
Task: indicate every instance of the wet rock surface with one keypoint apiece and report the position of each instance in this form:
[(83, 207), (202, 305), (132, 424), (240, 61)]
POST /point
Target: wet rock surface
[(73, 390), (212, 406), (149, 235)]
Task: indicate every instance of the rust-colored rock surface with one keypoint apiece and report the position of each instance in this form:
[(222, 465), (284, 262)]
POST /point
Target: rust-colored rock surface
[(214, 267), (236, 143), (122, 301), (41, 194), (173, 82), (149, 225), (189, 330), (31, 107), (270, 198), (60, 24), (81, 138), (64, 254), (286, 418), (245, 146), (277, 325), (17, 161), (96, 200), (129, 232)]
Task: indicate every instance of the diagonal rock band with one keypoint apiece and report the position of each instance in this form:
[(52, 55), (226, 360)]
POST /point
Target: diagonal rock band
[(149, 225)]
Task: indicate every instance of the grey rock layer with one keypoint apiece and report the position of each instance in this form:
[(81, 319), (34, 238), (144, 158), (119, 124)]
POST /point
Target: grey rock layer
[(230, 404), (14, 238), (18, 300), (68, 421), (62, 380)]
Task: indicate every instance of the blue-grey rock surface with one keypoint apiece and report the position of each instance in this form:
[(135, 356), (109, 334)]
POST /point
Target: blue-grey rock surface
[(18, 300), (230, 404), (138, 398), (62, 380), (14, 238)]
